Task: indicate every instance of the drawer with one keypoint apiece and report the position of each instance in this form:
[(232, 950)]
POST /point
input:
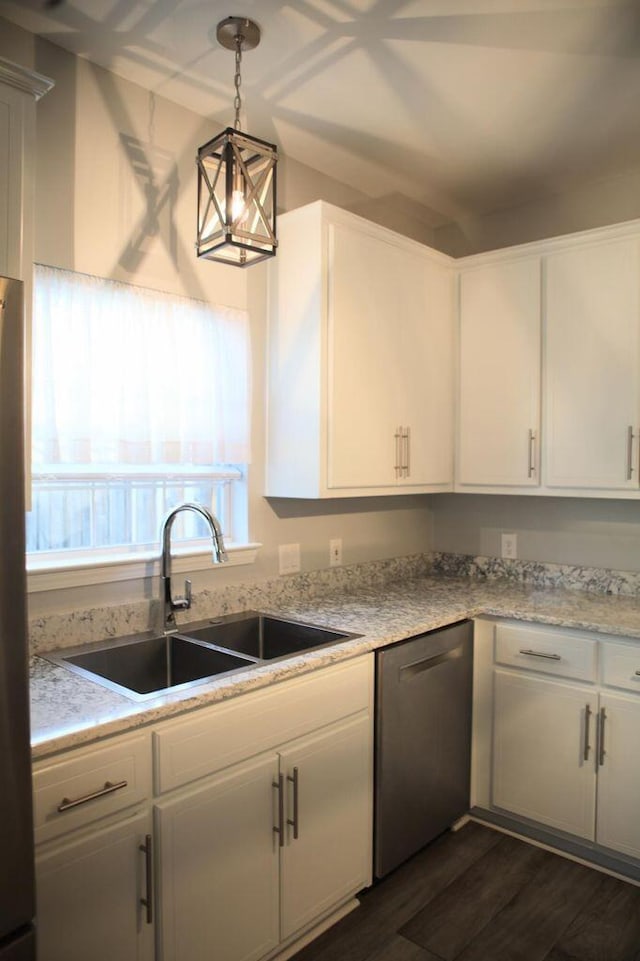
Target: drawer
[(252, 723), (547, 651), (90, 783), (621, 665)]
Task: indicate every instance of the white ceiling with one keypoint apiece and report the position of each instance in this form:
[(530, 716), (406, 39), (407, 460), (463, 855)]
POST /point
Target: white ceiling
[(464, 105)]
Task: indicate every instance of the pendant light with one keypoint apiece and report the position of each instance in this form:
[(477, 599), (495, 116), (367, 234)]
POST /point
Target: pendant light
[(237, 176)]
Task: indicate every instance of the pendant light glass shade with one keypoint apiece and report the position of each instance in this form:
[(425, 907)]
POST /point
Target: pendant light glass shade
[(237, 199), (237, 176)]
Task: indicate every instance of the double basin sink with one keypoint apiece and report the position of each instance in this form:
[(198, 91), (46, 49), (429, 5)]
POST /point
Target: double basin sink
[(143, 668)]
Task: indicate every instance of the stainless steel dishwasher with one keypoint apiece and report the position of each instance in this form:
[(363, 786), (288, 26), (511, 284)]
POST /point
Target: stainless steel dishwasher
[(423, 741)]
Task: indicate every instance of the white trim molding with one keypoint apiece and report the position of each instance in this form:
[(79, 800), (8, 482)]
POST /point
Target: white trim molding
[(125, 567), (24, 79)]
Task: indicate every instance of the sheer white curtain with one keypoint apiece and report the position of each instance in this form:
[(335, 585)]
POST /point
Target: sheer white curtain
[(124, 375)]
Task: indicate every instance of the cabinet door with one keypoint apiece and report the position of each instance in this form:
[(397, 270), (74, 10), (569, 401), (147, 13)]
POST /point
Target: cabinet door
[(390, 363), (426, 335), (592, 358), (499, 412), (539, 746), (218, 867), (89, 896), (331, 857), (367, 300), (618, 824)]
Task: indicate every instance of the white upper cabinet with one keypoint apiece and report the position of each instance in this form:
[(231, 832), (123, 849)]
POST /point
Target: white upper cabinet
[(499, 375), (592, 365), (549, 367), (361, 348), (360, 360)]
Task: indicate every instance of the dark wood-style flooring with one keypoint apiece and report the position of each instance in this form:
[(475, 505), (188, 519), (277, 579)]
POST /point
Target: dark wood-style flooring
[(479, 895)]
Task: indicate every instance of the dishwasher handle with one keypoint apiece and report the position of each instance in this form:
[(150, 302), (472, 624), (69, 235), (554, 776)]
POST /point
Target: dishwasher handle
[(408, 671)]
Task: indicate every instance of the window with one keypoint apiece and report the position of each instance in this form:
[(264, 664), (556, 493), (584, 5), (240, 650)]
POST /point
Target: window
[(140, 402)]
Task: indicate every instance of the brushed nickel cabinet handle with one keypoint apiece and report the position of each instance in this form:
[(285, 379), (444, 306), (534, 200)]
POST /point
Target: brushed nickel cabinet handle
[(637, 673), (549, 657), (294, 822), (147, 900), (67, 803), (532, 453), (398, 442), (587, 719), (406, 460), (601, 750), (279, 830), (630, 467)]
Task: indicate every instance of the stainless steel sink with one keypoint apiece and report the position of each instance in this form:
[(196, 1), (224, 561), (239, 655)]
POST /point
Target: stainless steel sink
[(263, 636), (142, 668)]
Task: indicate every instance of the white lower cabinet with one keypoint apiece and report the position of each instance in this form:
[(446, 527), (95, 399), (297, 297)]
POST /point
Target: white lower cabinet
[(330, 857), (539, 765), (253, 855), (263, 819), (218, 867), (90, 894), (556, 751), (618, 823), (261, 827), (94, 853)]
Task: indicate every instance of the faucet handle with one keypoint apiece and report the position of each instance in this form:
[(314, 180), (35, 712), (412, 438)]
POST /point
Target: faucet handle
[(182, 603)]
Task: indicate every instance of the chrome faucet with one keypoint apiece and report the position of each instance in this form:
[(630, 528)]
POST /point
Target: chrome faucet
[(171, 604)]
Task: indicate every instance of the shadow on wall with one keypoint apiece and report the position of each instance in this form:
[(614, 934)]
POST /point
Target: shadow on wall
[(155, 173), (55, 158)]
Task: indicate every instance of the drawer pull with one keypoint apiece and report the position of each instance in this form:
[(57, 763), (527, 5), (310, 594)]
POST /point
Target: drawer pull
[(147, 901), (637, 673), (67, 803), (549, 657), (294, 820)]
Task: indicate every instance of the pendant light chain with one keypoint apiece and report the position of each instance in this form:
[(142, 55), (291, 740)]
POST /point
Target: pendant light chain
[(237, 80)]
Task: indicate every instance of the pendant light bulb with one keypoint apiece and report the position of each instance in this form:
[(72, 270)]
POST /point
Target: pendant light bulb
[(238, 200), (237, 206)]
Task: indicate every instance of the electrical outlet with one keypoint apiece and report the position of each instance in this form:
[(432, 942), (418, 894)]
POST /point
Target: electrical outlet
[(335, 552), (509, 546), (289, 558)]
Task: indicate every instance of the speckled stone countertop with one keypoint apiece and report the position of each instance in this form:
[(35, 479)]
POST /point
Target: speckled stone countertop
[(68, 710)]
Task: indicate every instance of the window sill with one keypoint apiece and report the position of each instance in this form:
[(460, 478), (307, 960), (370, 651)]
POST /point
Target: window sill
[(122, 567)]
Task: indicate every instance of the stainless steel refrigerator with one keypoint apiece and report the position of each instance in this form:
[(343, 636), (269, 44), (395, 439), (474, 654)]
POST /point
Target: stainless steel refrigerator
[(17, 940)]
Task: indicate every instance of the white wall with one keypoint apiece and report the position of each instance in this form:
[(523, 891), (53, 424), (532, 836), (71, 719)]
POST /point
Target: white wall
[(556, 530), (605, 201), (109, 153)]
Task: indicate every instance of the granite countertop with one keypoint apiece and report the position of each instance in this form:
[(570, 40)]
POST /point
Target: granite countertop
[(68, 710)]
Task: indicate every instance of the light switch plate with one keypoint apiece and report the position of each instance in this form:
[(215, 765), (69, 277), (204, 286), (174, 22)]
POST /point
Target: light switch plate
[(335, 552), (509, 546)]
